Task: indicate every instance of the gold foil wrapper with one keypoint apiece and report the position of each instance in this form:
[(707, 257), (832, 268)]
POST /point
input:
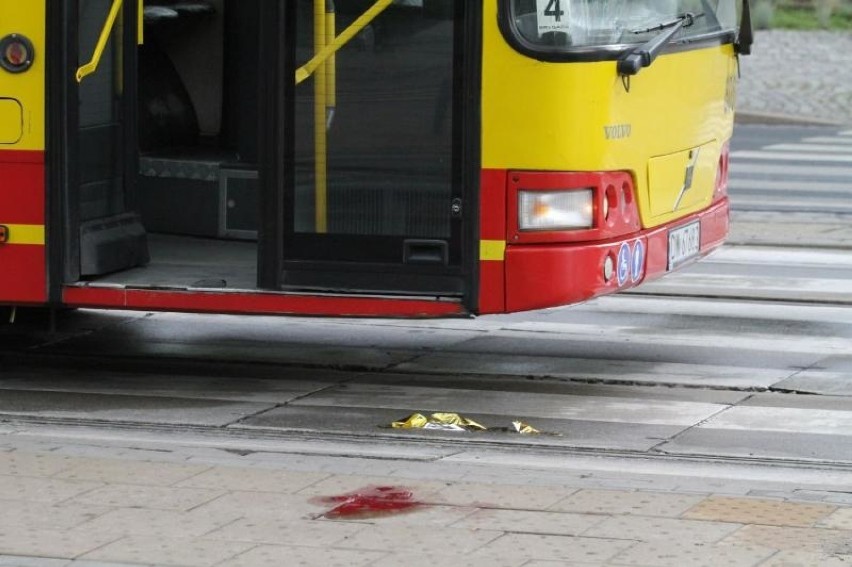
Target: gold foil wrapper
[(445, 421), (440, 420), (524, 428)]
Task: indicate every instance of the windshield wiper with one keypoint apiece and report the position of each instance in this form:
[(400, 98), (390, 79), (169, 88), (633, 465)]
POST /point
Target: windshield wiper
[(643, 55)]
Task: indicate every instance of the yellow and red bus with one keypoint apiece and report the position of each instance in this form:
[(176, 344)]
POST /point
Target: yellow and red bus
[(360, 157)]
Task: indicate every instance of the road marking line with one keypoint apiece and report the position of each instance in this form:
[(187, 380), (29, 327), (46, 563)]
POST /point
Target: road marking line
[(751, 255), (622, 303), (810, 148), (806, 171), (827, 140), (789, 420), (788, 156), (842, 205), (804, 186)]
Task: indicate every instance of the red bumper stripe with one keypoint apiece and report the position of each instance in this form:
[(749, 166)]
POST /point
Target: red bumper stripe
[(256, 303)]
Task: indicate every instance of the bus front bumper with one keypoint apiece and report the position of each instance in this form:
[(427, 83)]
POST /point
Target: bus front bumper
[(548, 275)]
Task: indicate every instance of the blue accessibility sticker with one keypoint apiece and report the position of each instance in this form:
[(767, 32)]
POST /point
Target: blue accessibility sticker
[(623, 263), (638, 266)]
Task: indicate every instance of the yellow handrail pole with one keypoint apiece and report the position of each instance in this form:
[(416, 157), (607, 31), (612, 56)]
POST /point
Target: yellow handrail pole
[(92, 66), (140, 22), (330, 64), (320, 141), (363, 21)]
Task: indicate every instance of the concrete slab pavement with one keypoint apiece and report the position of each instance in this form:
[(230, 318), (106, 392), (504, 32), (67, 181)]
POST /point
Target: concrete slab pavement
[(236, 510)]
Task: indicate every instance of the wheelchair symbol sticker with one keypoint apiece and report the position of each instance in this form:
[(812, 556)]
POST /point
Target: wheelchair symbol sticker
[(624, 263)]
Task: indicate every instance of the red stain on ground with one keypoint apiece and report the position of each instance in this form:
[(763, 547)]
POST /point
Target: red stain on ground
[(370, 502)]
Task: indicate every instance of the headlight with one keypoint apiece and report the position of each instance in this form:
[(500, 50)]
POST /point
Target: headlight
[(555, 210)]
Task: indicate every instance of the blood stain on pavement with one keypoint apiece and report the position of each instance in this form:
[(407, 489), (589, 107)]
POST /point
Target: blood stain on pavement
[(370, 502)]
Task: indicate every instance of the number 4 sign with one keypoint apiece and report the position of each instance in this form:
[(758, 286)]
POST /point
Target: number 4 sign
[(553, 16)]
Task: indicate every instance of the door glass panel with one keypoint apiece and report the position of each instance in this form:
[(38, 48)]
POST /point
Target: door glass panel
[(380, 115), (101, 136)]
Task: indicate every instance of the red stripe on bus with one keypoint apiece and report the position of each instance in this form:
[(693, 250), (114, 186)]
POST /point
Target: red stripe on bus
[(22, 274), (492, 207), (492, 287), (256, 303), (492, 226), (21, 187), (22, 156)]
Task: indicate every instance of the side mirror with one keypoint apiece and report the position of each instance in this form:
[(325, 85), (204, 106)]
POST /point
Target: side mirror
[(745, 35)]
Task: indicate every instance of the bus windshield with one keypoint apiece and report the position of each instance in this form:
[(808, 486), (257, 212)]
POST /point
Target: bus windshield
[(566, 26)]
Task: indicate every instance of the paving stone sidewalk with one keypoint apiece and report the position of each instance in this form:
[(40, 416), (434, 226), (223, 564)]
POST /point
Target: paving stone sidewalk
[(797, 76), (62, 507)]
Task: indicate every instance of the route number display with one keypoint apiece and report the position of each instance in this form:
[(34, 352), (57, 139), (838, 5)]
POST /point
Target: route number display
[(553, 16)]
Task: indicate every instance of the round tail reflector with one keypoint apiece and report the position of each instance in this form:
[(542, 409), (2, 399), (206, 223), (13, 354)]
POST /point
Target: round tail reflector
[(16, 53), (608, 268)]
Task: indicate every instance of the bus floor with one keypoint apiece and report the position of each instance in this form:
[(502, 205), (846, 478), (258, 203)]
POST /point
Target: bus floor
[(190, 262)]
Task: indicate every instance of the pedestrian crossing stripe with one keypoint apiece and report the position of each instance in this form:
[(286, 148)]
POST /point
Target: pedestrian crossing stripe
[(842, 149), (801, 186), (828, 140), (796, 204), (809, 175), (808, 171), (791, 156)]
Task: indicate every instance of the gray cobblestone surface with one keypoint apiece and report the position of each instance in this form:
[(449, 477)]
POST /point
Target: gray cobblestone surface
[(797, 75)]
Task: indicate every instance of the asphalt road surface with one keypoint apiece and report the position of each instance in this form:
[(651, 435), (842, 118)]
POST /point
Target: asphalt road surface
[(745, 355)]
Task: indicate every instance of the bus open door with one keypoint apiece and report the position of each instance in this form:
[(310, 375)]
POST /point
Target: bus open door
[(305, 148)]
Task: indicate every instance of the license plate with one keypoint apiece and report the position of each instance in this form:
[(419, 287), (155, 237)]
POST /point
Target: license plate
[(684, 244)]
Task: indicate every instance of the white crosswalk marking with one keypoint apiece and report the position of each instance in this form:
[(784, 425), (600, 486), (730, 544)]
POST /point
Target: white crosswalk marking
[(805, 176), (811, 148), (740, 166), (763, 273), (790, 156), (829, 140), (798, 186), (582, 373), (838, 204)]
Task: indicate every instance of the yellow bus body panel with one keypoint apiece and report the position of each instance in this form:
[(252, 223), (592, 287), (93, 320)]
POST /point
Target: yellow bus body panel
[(581, 116), (22, 97), (11, 121)]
